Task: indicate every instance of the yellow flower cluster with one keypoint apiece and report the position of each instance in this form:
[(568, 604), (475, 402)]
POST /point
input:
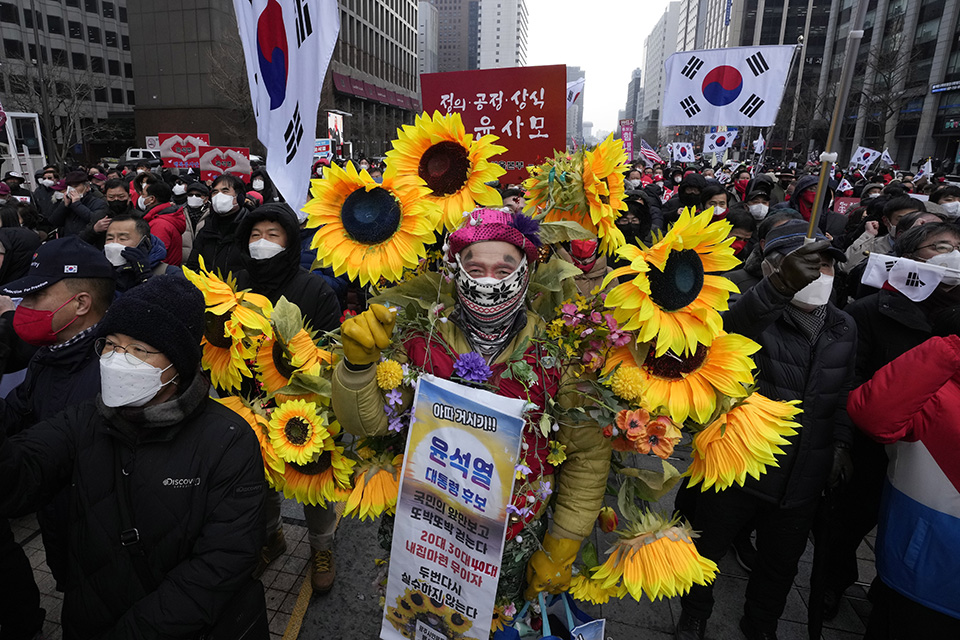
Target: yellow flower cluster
[(389, 375), (627, 382)]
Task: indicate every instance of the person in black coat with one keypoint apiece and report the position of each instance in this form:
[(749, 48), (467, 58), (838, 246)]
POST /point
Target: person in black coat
[(79, 207), (217, 241), (808, 354), (189, 508), (688, 195), (831, 224)]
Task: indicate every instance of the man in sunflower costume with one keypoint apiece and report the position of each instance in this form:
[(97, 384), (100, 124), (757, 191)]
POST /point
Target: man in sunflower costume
[(492, 255)]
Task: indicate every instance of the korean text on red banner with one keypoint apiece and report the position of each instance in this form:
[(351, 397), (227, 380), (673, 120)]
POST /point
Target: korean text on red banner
[(182, 150), (217, 160), (626, 134)]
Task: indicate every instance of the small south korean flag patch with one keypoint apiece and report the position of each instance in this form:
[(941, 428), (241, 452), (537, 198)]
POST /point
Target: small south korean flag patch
[(69, 268)]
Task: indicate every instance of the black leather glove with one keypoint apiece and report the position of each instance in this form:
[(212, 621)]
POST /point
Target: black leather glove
[(798, 268), (842, 469), (138, 262)]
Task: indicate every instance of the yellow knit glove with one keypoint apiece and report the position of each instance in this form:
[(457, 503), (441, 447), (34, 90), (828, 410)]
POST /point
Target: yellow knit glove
[(364, 335), (549, 568)]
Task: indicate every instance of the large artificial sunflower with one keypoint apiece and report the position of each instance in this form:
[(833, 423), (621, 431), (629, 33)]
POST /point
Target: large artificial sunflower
[(743, 441), (276, 361), (376, 485), (586, 589), (231, 318), (370, 230), (670, 296), (272, 464), (436, 150), (325, 479), (656, 557), (690, 385), (299, 432)]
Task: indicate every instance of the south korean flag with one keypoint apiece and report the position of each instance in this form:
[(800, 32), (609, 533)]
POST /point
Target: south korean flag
[(737, 86)]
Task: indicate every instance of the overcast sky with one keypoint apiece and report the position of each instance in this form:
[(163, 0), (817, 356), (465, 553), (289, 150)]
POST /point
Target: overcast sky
[(602, 37)]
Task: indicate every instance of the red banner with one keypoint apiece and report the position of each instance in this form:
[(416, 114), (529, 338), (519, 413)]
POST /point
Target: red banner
[(626, 134), (218, 160), (524, 106), (845, 205), (182, 150)]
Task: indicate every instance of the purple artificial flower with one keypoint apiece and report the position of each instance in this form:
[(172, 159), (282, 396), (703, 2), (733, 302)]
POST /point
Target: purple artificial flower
[(472, 367), (544, 492), (396, 424), (394, 397), (529, 227)]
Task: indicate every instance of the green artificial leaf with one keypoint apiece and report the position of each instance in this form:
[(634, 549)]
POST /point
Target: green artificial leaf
[(286, 319), (545, 425), (302, 384), (426, 290), (652, 485), (522, 371), (589, 555), (550, 276), (563, 231)]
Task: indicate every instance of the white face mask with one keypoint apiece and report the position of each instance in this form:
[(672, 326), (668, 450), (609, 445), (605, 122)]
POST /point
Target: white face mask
[(263, 249), (139, 171), (952, 209), (179, 189), (257, 185), (817, 293), (58, 195), (47, 183), (125, 384), (194, 202), (142, 203), (113, 250), (364, 166), (951, 261), (223, 203), (632, 184), (759, 211), (719, 211)]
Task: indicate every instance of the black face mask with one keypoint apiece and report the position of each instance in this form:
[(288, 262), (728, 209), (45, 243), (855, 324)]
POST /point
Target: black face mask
[(118, 207), (631, 232), (689, 199)]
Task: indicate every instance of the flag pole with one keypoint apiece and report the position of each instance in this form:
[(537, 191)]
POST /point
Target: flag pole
[(843, 91)]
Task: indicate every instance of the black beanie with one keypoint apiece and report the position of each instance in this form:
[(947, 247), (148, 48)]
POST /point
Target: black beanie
[(165, 312)]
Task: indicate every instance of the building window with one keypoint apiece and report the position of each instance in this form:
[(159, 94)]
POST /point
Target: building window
[(76, 30), (114, 66), (116, 96), (127, 71), (73, 3), (125, 43), (79, 62), (19, 84), (27, 18), (130, 97), (110, 38), (96, 64), (100, 94), (59, 57), (90, 5), (93, 34), (9, 13), (32, 51), (55, 25), (13, 49), (123, 15), (108, 10)]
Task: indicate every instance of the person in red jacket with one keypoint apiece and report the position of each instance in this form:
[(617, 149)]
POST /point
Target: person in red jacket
[(165, 219), (912, 405)]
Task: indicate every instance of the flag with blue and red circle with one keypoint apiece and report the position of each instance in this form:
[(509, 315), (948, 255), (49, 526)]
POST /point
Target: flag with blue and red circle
[(719, 141), (735, 86)]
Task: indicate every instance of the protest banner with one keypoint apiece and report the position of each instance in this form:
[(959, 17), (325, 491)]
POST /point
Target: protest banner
[(218, 160), (845, 205), (182, 150), (323, 148), (451, 517), (626, 134), (524, 106)]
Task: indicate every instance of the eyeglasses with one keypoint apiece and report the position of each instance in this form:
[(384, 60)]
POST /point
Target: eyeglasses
[(133, 353), (941, 247)]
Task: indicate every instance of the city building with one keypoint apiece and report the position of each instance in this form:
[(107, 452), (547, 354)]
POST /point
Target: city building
[(635, 97), (575, 110), (69, 61), (657, 47), (191, 76), (428, 34), (502, 35), (457, 40)]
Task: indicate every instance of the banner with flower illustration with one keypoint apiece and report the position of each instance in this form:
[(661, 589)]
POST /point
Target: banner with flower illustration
[(451, 517)]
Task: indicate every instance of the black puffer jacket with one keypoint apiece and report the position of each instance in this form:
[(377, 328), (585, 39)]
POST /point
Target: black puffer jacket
[(196, 484), (73, 219), (216, 241), (282, 274), (19, 245), (748, 275), (790, 368), (671, 209)]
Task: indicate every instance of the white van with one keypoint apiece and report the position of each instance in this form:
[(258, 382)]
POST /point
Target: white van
[(132, 155)]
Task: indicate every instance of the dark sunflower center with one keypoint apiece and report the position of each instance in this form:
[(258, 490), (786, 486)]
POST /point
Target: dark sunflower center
[(405, 605), (297, 430), (605, 199), (672, 366), (417, 599), (457, 619), (679, 283), (444, 167), (370, 217), (215, 330), (284, 367), (317, 467)]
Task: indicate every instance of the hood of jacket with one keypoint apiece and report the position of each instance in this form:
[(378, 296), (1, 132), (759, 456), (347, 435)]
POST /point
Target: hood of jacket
[(269, 276), (171, 214), (806, 183), (19, 245), (694, 180)]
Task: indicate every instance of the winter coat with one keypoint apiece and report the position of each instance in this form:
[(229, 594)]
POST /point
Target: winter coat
[(167, 223), (19, 245), (866, 242), (829, 222), (74, 218), (43, 200), (283, 276), (216, 242), (592, 279), (193, 221), (339, 284), (581, 482), (269, 191), (196, 488), (748, 275), (671, 209), (790, 368), (913, 406)]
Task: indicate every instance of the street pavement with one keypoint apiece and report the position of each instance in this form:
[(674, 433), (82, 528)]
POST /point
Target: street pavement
[(351, 611)]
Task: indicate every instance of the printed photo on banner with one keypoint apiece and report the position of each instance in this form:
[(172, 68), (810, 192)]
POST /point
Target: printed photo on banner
[(524, 106), (217, 160), (451, 518), (182, 150)]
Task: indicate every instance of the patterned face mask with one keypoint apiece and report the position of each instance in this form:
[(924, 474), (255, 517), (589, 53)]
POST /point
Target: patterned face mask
[(489, 307)]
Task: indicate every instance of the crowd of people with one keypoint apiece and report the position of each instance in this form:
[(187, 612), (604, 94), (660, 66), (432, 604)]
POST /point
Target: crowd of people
[(150, 495)]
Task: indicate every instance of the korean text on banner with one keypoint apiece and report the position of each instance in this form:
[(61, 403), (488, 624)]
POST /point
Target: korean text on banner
[(323, 148), (451, 518), (626, 134), (735, 86), (182, 150), (217, 160), (524, 106), (287, 45)]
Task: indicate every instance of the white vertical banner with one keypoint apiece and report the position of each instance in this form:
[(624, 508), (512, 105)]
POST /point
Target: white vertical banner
[(287, 45)]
